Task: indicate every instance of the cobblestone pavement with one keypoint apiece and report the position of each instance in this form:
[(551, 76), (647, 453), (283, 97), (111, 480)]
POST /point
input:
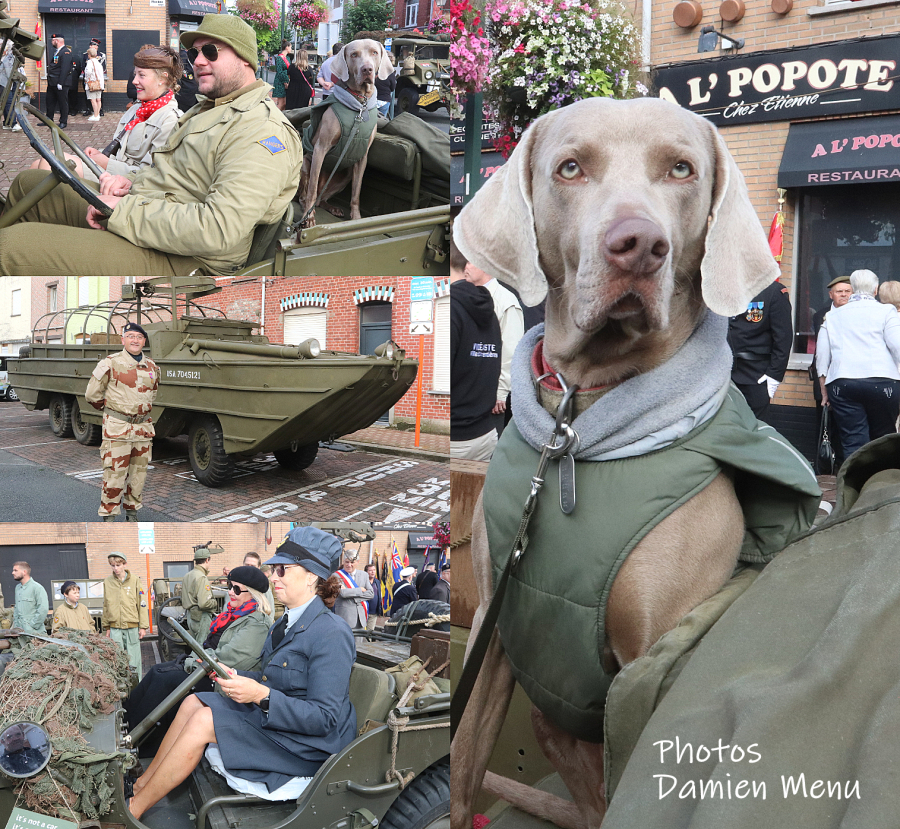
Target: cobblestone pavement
[(343, 483), (16, 153)]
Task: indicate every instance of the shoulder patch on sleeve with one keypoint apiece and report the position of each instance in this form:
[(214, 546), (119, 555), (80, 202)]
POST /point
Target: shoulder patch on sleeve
[(101, 368), (273, 145)]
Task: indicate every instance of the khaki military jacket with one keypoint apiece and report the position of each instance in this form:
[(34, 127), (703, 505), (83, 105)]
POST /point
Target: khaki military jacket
[(78, 617), (124, 603), (120, 383), (241, 644), (230, 165), (196, 595)]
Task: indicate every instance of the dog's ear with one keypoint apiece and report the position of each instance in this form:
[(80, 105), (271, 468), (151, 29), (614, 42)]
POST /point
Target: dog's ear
[(339, 66), (385, 67), (737, 263), (495, 231)]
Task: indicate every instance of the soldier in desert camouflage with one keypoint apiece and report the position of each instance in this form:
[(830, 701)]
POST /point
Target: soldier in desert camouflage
[(123, 386)]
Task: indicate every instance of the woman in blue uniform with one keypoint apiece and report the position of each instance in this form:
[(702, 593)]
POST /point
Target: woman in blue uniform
[(291, 715)]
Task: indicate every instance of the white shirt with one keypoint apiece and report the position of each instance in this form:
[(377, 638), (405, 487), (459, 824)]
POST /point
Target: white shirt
[(512, 326), (294, 613), (858, 340)]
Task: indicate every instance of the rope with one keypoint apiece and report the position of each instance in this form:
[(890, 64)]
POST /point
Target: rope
[(430, 622), (460, 541), (399, 723)]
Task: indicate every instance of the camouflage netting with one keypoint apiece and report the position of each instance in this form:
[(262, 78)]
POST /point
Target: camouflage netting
[(63, 689)]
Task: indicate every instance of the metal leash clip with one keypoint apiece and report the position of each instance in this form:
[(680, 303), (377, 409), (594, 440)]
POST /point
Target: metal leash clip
[(561, 441)]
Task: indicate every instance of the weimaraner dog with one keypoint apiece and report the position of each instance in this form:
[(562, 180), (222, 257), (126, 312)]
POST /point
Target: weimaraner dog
[(356, 65), (632, 218)]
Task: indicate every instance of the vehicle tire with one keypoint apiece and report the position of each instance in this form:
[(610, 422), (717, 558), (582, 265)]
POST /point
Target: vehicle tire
[(60, 411), (408, 100), (87, 434), (419, 610), (297, 456), (206, 450), (11, 394), (162, 621), (424, 803)]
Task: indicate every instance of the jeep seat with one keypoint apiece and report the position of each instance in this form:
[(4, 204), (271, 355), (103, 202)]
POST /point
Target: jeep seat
[(372, 693)]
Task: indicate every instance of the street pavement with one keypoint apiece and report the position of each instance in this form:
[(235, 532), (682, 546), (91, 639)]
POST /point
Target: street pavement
[(364, 477)]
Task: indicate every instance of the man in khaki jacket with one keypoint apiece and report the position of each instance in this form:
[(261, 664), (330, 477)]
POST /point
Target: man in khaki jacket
[(123, 387), (196, 594), (125, 616), (232, 163)]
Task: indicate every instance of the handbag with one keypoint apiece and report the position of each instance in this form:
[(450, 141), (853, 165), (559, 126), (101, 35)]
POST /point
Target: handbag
[(94, 85), (825, 453)]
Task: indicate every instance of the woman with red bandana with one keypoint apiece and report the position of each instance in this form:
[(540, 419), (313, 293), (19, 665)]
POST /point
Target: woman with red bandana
[(235, 638), (146, 125)]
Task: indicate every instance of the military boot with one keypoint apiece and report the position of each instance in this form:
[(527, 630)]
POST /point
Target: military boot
[(131, 515), (109, 517)]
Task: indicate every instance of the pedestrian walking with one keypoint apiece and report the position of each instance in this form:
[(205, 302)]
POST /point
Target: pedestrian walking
[(280, 83), (125, 616), (123, 387), (301, 82)]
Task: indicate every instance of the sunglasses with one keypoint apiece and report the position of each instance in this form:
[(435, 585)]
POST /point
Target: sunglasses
[(209, 50), (280, 568), (236, 589)]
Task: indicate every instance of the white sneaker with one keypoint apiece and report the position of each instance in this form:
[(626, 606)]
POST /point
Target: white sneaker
[(16, 128), (93, 118)]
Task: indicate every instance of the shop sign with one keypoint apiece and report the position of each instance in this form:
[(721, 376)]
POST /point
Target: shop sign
[(193, 8), (854, 151), (840, 78), (72, 6)]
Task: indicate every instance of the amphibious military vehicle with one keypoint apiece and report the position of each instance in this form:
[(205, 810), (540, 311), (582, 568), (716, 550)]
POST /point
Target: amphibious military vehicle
[(423, 78), (405, 200), (232, 392)]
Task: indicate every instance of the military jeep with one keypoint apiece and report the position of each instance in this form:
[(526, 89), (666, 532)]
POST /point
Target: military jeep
[(423, 73), (405, 200)]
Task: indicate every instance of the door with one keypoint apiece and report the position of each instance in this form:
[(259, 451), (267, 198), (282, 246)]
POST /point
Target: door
[(375, 329)]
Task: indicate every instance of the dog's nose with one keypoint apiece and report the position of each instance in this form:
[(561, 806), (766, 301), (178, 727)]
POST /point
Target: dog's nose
[(635, 245)]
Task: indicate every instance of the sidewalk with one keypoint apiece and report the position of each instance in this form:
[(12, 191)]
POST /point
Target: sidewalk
[(396, 442)]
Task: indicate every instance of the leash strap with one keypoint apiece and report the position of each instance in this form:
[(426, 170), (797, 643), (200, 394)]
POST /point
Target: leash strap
[(563, 439)]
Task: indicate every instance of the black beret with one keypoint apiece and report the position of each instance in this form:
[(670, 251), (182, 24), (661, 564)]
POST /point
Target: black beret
[(251, 576), (67, 586), (54, 36), (445, 566), (133, 326)]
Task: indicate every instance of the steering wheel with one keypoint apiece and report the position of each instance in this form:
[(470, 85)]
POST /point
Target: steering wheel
[(162, 619), (56, 159), (197, 648)]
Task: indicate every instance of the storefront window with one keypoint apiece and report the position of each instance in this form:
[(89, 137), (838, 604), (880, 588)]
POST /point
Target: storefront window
[(842, 228)]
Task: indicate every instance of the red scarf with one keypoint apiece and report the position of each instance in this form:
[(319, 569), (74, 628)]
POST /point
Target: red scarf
[(147, 108), (225, 618)]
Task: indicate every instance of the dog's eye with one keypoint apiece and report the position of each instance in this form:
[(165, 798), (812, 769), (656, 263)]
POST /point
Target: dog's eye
[(681, 170), (569, 170)]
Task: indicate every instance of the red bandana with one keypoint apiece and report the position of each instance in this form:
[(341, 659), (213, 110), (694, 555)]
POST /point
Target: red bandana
[(541, 368), (146, 109)]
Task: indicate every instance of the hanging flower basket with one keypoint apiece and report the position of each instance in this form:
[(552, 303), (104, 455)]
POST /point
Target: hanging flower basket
[(306, 15), (470, 51), (262, 15), (549, 53)]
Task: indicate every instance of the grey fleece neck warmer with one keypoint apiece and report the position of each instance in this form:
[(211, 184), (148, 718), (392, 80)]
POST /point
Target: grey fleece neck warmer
[(351, 102), (642, 414)]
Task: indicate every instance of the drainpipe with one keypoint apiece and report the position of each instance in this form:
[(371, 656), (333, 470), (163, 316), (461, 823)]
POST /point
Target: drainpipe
[(646, 31), (262, 313)]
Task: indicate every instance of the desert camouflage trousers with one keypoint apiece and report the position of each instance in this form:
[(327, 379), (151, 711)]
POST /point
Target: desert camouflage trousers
[(124, 472)]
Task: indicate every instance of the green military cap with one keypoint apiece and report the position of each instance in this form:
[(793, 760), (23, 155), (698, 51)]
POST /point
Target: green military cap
[(118, 555), (838, 280), (230, 30)]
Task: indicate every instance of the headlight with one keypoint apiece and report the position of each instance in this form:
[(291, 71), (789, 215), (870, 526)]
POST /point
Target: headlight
[(310, 348), (386, 350), (429, 75), (26, 750)]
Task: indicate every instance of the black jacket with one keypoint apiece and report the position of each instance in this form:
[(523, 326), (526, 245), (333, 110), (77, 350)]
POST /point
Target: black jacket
[(187, 94), (760, 338), (63, 68), (475, 349)]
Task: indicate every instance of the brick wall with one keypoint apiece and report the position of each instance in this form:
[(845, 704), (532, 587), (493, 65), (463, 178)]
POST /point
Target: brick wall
[(174, 542), (757, 147), (244, 301)]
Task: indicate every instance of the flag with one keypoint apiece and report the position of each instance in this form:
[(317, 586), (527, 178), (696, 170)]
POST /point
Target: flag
[(425, 563), (37, 31), (405, 556), (383, 589), (443, 560), (776, 235), (268, 535)]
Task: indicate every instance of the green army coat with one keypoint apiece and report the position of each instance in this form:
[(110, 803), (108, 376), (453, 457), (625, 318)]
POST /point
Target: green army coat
[(31, 607), (230, 165), (241, 644), (124, 603), (198, 600)]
